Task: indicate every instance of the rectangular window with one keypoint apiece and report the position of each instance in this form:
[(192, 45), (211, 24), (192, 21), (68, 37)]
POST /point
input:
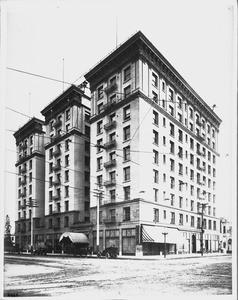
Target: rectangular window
[(127, 91), (126, 113), (127, 193), (99, 163), (99, 181), (172, 218), (171, 129), (180, 219), (127, 73), (190, 112), (171, 164), (180, 135), (126, 153), (126, 214), (156, 215), (100, 92), (126, 131), (156, 176), (87, 176), (87, 130), (66, 160), (156, 156), (66, 191), (155, 118), (155, 137), (156, 195), (99, 127), (164, 122), (171, 147), (127, 174), (180, 202), (154, 79), (66, 205), (87, 161), (112, 195), (192, 221), (171, 110), (66, 221), (67, 114)]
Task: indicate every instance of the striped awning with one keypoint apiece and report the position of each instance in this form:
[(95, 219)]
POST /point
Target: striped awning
[(73, 237), (154, 234)]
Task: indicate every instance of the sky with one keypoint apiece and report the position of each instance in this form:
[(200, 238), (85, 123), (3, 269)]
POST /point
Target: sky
[(64, 39)]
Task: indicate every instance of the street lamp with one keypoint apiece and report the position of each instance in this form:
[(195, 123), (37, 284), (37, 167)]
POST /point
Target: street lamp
[(164, 234)]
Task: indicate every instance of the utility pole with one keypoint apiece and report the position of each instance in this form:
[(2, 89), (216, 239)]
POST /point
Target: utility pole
[(202, 226), (98, 193), (164, 234), (32, 204)]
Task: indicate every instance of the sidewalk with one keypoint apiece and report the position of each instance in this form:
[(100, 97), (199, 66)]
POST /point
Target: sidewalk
[(145, 257)]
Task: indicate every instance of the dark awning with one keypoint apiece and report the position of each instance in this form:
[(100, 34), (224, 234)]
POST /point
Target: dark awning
[(73, 237)]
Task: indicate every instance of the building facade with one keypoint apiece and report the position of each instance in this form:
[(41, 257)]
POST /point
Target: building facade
[(67, 166), (225, 235), (30, 169), (153, 156)]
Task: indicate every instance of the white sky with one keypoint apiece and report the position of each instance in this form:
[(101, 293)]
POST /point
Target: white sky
[(196, 37)]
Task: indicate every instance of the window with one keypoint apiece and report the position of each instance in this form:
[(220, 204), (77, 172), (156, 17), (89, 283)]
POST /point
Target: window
[(126, 112), (99, 163), (191, 126), (66, 188), (164, 122), (156, 195), (86, 176), (67, 127), (126, 131), (180, 169), (191, 159), (180, 219), (214, 225), (156, 215), (192, 205), (171, 147), (66, 205), (192, 221), (190, 112), (155, 137), (156, 156), (126, 153), (209, 155), (67, 114), (86, 206), (112, 195), (164, 214), (30, 189), (127, 193), (214, 172), (99, 127), (100, 107), (171, 95), (127, 73), (156, 176), (100, 92), (213, 133), (112, 155), (51, 125), (171, 164), (171, 110), (171, 129), (30, 164), (164, 140), (163, 86), (172, 199), (87, 130), (112, 98), (67, 145), (179, 102), (172, 182), (126, 214), (180, 118), (50, 181), (112, 175), (127, 91), (180, 135), (99, 181), (172, 218), (180, 152), (86, 115), (191, 190), (30, 177), (164, 159), (154, 79), (66, 221), (87, 146), (180, 202), (155, 96), (50, 195), (66, 160), (155, 118), (50, 223), (127, 174), (99, 145)]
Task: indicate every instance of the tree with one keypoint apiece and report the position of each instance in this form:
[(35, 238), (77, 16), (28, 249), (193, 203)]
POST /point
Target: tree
[(7, 234)]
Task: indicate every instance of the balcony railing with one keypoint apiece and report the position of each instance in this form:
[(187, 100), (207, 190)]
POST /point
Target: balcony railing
[(113, 200), (108, 104), (110, 182), (23, 206), (110, 163), (57, 123), (56, 138), (23, 194), (56, 197), (110, 144), (57, 152), (201, 138), (22, 147), (56, 182), (110, 88), (109, 220), (22, 182), (56, 167), (110, 125)]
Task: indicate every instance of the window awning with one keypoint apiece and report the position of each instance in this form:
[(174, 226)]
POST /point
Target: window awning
[(154, 234), (73, 237)]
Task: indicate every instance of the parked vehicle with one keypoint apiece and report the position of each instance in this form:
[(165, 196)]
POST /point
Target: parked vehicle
[(40, 249), (12, 249), (110, 252)]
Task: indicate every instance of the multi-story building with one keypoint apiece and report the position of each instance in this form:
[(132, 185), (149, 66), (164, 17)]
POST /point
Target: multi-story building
[(67, 165), (30, 168), (153, 168)]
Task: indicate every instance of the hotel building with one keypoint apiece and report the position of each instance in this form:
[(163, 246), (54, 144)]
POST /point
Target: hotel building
[(30, 168), (153, 168), (67, 165)]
